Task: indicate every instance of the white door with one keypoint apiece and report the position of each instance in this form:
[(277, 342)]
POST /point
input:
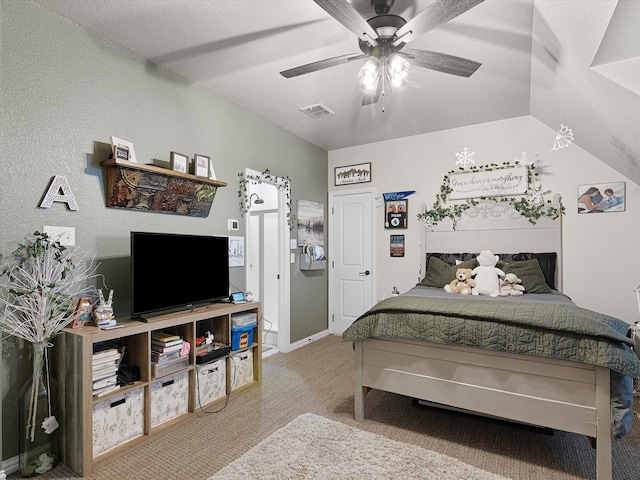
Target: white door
[(351, 290)]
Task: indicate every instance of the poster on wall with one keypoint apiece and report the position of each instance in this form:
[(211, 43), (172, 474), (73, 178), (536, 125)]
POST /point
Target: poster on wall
[(601, 197), (236, 251), (396, 213), (396, 243)]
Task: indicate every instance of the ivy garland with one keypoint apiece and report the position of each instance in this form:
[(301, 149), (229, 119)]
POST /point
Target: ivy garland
[(279, 182), (531, 211)]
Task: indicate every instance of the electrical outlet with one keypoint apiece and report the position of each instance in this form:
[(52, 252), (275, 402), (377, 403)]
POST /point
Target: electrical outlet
[(65, 235)]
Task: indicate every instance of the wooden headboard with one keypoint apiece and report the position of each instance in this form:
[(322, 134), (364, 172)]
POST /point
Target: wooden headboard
[(499, 228)]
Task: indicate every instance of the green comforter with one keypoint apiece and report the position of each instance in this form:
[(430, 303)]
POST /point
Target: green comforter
[(554, 330)]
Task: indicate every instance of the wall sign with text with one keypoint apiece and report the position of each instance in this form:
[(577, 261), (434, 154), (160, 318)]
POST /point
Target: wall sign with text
[(489, 183)]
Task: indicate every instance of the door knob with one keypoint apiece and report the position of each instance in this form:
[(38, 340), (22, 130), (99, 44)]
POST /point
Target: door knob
[(365, 273)]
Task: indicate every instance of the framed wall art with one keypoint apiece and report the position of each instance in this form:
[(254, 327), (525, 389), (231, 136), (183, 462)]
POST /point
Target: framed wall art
[(201, 165), (395, 212), (601, 197), (396, 245), (179, 162), (351, 174)]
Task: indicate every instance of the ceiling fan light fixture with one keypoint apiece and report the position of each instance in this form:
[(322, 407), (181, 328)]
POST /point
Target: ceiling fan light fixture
[(397, 70), (369, 75)]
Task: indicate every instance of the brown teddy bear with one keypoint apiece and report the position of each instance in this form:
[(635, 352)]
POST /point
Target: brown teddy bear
[(463, 283)]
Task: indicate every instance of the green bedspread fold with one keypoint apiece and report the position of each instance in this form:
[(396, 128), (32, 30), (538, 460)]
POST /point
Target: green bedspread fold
[(553, 330)]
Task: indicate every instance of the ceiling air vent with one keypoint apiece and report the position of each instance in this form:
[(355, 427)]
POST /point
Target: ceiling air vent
[(317, 111)]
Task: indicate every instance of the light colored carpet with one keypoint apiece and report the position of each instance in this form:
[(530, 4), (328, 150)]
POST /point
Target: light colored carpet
[(314, 447)]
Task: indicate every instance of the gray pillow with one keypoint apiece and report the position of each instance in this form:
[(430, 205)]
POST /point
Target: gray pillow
[(440, 273), (529, 272)]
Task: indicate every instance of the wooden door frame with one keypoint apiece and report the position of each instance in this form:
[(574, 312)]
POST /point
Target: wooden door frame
[(284, 295)]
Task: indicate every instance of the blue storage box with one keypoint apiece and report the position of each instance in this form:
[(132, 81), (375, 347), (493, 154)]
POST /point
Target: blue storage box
[(242, 337)]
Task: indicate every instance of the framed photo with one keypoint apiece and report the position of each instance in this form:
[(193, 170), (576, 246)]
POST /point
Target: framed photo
[(201, 165), (179, 162), (115, 141), (121, 152), (83, 314), (351, 174), (395, 212), (601, 197)]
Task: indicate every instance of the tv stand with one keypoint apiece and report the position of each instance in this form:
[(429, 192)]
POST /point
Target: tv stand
[(98, 429)]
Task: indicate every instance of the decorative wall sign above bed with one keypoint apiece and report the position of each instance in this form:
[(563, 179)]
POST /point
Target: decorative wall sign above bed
[(488, 182)]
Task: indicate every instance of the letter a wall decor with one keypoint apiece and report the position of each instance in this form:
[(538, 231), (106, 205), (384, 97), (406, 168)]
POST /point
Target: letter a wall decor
[(59, 191)]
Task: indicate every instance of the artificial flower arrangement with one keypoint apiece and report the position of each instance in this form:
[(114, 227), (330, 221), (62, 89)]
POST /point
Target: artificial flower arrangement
[(41, 282)]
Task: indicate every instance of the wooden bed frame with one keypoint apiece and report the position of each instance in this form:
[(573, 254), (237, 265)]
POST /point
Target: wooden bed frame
[(557, 394)]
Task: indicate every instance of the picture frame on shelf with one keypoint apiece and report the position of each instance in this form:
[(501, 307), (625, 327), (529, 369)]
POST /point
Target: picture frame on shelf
[(115, 141), (179, 162), (121, 152), (83, 312), (201, 165), (212, 172)]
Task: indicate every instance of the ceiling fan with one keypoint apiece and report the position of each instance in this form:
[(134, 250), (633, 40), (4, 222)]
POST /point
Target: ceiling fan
[(383, 38)]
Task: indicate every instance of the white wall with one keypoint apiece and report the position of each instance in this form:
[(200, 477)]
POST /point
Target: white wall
[(601, 263)]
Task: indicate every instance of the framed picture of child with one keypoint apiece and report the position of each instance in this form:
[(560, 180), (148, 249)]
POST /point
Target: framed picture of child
[(601, 197)]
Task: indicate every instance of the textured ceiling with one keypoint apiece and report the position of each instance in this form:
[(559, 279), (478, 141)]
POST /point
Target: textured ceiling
[(573, 62)]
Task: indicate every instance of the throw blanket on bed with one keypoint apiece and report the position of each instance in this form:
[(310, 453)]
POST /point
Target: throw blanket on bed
[(554, 330)]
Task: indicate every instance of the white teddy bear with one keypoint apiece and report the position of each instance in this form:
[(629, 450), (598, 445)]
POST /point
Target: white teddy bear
[(511, 285), (487, 275)]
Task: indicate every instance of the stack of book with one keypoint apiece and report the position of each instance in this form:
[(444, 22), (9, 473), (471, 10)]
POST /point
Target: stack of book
[(105, 371), (165, 346)]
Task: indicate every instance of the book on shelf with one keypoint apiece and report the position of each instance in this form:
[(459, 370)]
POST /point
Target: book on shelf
[(173, 348), (103, 391), (157, 357), (104, 374), (104, 365), (170, 343), (105, 382), (106, 355), (164, 336)]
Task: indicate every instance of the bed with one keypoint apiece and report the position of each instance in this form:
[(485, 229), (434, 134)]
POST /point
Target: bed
[(537, 358)]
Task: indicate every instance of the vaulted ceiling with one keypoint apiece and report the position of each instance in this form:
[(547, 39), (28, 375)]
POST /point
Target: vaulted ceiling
[(569, 62)]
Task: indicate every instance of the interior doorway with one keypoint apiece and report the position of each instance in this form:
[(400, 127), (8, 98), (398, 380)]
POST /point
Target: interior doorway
[(267, 256), (351, 277)]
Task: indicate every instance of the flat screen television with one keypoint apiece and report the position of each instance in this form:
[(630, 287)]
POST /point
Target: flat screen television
[(172, 272)]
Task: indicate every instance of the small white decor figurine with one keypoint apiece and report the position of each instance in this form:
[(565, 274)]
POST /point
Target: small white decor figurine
[(103, 313)]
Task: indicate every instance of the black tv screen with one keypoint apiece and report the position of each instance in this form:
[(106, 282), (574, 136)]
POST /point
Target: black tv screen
[(171, 272)]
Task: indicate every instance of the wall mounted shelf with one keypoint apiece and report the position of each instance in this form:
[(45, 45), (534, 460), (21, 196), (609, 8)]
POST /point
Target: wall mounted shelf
[(149, 188)]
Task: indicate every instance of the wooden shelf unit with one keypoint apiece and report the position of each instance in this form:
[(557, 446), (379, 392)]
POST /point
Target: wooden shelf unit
[(150, 188), (74, 374)]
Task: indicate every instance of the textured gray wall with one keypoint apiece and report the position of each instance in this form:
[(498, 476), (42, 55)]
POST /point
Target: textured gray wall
[(65, 91)]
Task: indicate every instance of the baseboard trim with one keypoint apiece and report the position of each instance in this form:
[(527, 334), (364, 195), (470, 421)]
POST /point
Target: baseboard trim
[(9, 466), (308, 340)]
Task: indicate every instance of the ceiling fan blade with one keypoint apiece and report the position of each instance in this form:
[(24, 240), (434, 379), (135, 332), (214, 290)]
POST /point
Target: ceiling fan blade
[(441, 62), (321, 65), (348, 16), (439, 12)]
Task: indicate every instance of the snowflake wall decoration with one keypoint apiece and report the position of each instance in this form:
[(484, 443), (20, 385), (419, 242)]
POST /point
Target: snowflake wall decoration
[(465, 158), (524, 159), (535, 195), (564, 137)]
